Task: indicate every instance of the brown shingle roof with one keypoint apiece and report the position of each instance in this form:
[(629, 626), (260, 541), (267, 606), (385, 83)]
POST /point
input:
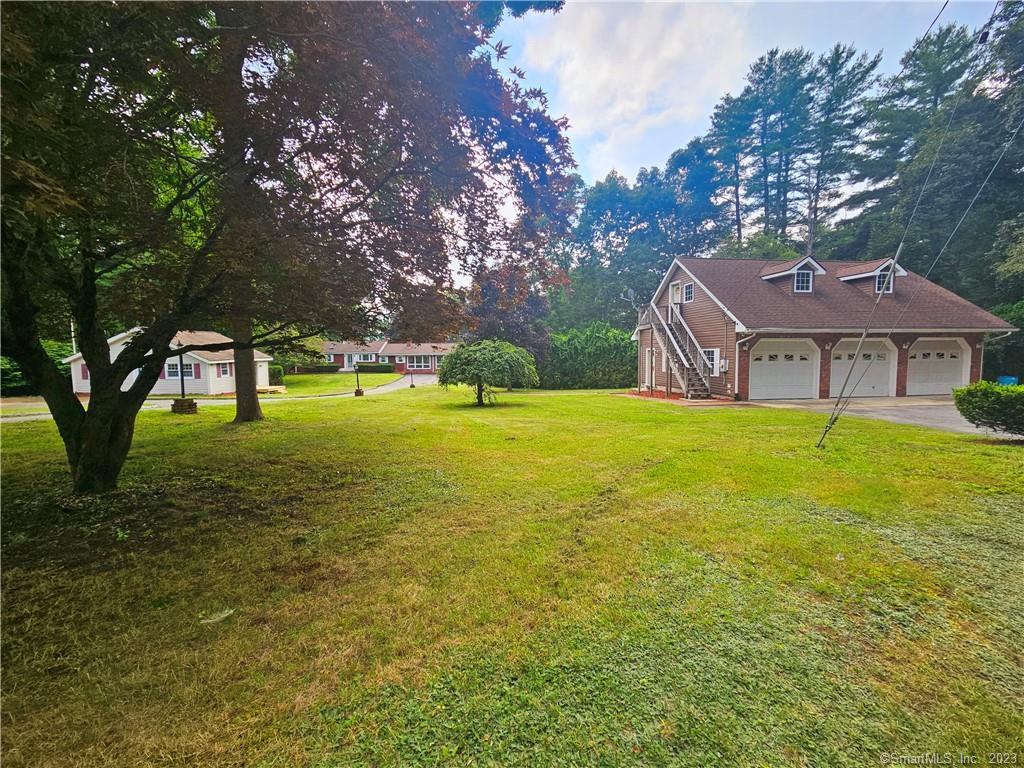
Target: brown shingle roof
[(778, 267), (859, 267), (186, 338), (833, 304), (353, 347), (424, 348)]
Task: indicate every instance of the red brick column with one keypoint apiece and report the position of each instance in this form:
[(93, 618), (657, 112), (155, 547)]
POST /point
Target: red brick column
[(825, 346), (977, 348), (903, 344), (743, 370)]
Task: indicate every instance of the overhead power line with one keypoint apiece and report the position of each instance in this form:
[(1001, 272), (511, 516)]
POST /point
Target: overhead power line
[(840, 407)]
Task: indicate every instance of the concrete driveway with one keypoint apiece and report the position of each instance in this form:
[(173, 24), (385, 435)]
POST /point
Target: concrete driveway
[(936, 411)]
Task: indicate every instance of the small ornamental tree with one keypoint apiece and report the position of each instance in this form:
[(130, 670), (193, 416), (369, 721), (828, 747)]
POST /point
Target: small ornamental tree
[(486, 365)]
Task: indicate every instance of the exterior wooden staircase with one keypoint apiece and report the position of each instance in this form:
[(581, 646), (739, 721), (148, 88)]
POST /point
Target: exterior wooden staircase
[(686, 360)]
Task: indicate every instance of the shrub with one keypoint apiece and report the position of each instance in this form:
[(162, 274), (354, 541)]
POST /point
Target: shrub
[(332, 368), (598, 357), (485, 365), (993, 406), (276, 373), (375, 367), (13, 381)]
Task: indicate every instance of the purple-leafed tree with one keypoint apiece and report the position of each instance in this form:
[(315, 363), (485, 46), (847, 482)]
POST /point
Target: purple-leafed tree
[(273, 170)]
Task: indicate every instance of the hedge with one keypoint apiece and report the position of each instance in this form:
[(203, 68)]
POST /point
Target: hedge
[(375, 367), (12, 380), (597, 357), (998, 407), (276, 374)]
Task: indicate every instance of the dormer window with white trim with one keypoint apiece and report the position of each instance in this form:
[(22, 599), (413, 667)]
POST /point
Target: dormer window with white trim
[(803, 281), (883, 282)]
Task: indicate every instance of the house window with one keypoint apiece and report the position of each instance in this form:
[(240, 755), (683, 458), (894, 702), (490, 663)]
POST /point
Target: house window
[(223, 369), (329, 357), (788, 358), (364, 358), (400, 359), (172, 371), (687, 293), (802, 281), (711, 355), (882, 282), (418, 362), (772, 358)]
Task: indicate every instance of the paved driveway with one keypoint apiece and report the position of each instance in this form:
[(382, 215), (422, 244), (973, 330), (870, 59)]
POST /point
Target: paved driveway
[(924, 411)]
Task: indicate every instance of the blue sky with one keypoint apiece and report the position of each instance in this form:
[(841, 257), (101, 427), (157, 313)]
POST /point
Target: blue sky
[(639, 80)]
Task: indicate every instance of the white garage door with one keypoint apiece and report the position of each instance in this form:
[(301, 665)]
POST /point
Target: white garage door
[(872, 367), (936, 367), (783, 369)]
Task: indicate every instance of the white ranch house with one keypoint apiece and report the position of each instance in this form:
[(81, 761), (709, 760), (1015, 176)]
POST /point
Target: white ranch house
[(204, 372)]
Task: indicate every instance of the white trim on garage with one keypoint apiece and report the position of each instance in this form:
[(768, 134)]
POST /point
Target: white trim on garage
[(781, 373), (935, 387), (868, 381)]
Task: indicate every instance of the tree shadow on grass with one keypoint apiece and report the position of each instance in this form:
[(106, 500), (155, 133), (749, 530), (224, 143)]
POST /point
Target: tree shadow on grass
[(1007, 440), (472, 406)]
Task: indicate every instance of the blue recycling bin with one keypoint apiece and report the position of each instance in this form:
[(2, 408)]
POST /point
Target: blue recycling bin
[(1006, 380)]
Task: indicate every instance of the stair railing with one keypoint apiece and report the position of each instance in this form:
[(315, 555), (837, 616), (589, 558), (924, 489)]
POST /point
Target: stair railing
[(691, 345)]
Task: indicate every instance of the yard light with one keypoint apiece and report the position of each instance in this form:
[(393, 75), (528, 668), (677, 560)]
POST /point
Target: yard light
[(183, 404), (412, 382), (359, 390)]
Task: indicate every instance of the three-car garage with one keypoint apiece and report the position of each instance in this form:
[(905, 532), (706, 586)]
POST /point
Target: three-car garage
[(790, 368)]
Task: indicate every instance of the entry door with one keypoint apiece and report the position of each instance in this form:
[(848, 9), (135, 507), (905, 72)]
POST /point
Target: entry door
[(872, 367), (783, 369), (936, 367)]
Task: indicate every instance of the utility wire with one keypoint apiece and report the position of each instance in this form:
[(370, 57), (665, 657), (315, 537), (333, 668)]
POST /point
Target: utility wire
[(840, 407)]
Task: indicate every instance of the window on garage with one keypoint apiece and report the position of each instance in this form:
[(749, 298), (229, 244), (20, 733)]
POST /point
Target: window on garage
[(803, 280)]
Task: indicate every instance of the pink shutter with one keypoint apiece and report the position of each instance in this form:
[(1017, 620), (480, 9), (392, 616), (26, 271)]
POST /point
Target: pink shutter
[(163, 372), (218, 370), (85, 372), (197, 370)]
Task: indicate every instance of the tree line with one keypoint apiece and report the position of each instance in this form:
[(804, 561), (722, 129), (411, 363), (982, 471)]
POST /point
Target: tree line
[(819, 154)]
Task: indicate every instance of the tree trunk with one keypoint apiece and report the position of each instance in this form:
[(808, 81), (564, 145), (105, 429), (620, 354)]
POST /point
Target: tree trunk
[(479, 394), (736, 202), (101, 447), (247, 402)]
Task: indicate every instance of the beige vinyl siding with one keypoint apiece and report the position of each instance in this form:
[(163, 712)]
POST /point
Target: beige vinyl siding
[(710, 325)]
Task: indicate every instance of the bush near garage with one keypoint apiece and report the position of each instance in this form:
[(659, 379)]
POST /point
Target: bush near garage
[(276, 374), (999, 407)]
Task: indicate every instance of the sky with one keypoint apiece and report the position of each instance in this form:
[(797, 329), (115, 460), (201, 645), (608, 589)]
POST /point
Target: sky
[(639, 80)]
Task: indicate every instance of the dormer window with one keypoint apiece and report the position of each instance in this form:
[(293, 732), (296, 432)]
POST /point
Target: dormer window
[(883, 282), (803, 281)]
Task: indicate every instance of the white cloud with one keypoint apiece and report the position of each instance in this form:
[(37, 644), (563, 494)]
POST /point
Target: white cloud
[(622, 70)]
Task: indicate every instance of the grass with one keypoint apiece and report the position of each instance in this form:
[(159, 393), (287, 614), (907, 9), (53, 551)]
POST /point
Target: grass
[(563, 579), (305, 384)]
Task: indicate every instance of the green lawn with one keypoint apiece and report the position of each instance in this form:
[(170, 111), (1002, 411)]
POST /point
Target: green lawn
[(563, 579), (303, 384)]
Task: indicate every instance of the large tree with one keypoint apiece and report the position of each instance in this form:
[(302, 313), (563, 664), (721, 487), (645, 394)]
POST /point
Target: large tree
[(283, 168)]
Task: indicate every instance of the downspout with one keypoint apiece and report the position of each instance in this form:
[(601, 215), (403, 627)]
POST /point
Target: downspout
[(736, 367)]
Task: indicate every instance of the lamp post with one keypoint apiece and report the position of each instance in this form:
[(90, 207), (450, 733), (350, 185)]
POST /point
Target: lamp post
[(412, 382), (183, 405), (359, 390)]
